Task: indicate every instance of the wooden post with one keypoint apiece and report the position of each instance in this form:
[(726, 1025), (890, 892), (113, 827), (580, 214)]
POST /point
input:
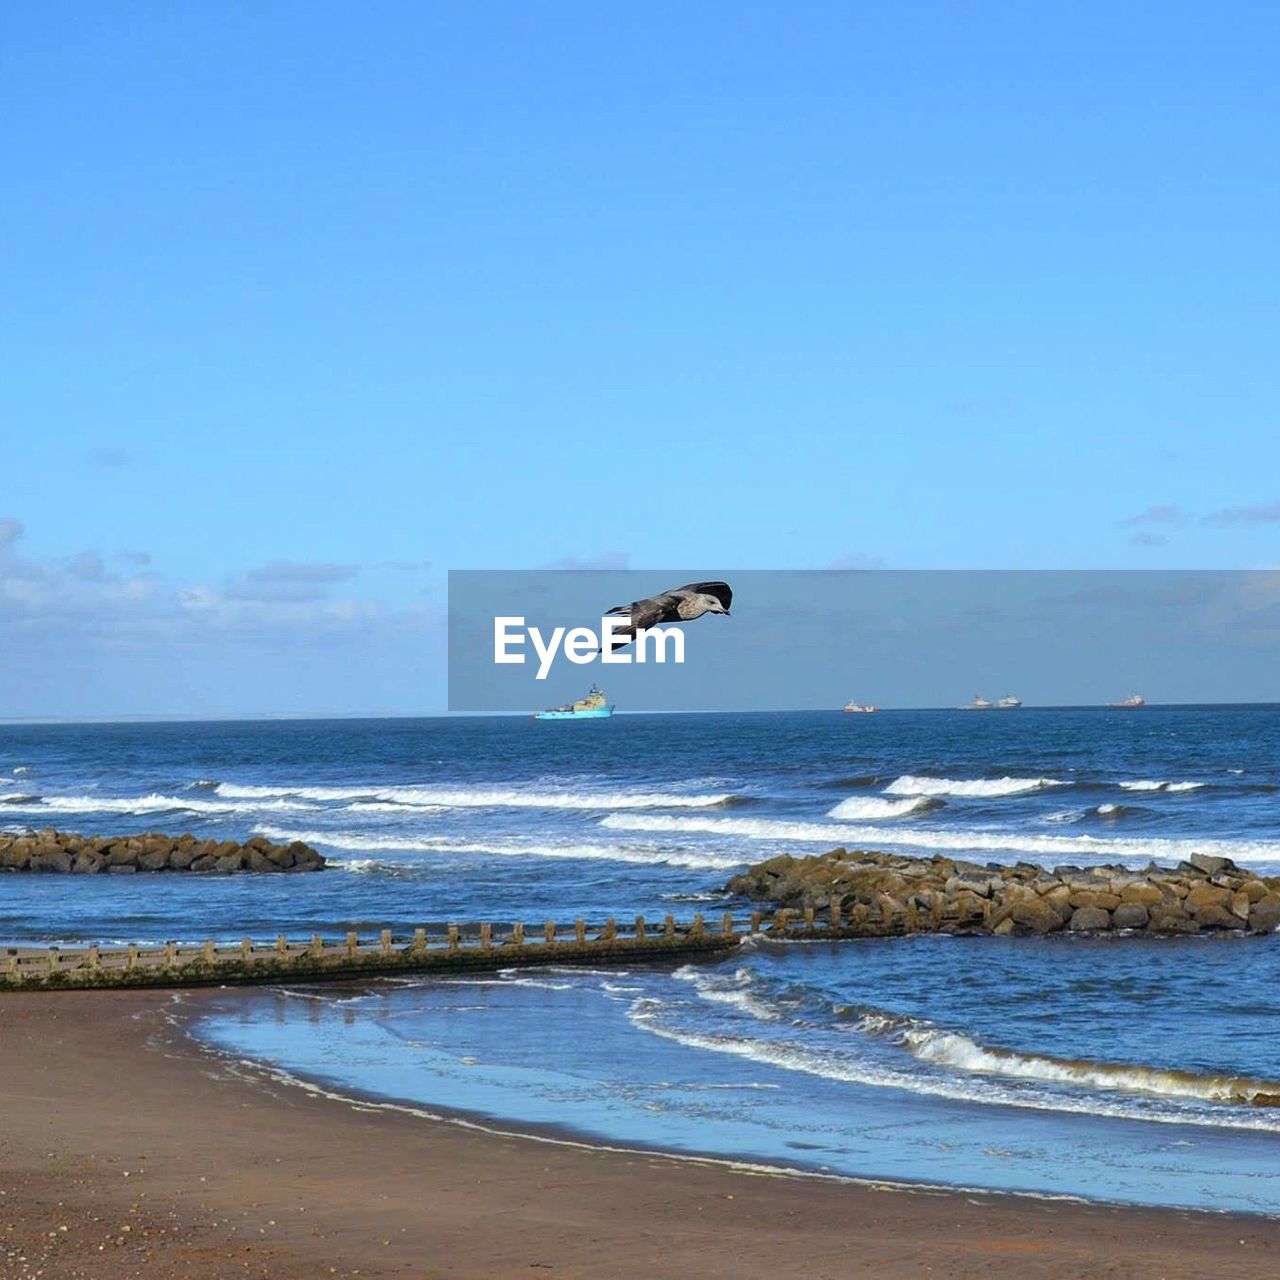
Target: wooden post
[(12, 966), (610, 929), (755, 922), (453, 937), (669, 926), (246, 950), (580, 931), (486, 937), (727, 926), (282, 946), (55, 962), (517, 934), (386, 942), (696, 931), (170, 954), (210, 953), (91, 958), (131, 956), (317, 946), (353, 943), (835, 913), (549, 932), (419, 939), (783, 918), (639, 928), (808, 918)]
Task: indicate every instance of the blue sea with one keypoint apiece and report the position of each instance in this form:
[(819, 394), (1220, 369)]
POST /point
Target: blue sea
[(1114, 1068)]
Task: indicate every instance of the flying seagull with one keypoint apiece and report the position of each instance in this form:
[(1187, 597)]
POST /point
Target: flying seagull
[(680, 604)]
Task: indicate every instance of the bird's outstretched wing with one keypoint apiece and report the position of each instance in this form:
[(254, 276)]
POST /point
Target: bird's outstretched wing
[(649, 611), (721, 590)]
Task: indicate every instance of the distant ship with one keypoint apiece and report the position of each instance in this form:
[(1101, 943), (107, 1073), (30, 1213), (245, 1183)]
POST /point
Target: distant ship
[(593, 707), (1133, 700), (978, 704), (861, 708), (1008, 703)]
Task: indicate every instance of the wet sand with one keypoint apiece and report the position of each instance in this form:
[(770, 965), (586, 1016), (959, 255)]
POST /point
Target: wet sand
[(126, 1150)]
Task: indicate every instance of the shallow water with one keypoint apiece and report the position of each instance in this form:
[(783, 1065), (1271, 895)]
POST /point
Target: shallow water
[(870, 1060)]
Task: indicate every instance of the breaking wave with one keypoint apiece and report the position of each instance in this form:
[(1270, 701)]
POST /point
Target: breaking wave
[(953, 1049), (967, 840), (914, 785), (1109, 812), (360, 843), (874, 807), (489, 797), (1148, 785), (962, 1068), (153, 803)]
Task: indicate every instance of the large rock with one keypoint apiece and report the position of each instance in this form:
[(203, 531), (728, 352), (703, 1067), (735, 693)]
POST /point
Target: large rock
[(1210, 865), (1207, 895), (1103, 900), (1035, 915), (1089, 920), (1264, 915), (1130, 915), (1215, 917)]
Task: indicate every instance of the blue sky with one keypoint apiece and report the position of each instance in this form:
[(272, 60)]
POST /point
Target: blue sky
[(306, 304)]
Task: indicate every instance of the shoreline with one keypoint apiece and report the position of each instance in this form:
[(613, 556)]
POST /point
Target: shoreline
[(117, 1117)]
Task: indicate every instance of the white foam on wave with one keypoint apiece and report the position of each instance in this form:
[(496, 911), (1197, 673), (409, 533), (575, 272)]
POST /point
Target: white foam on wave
[(649, 1014), (1104, 848), (954, 1049), (152, 803), (874, 808), (1077, 815), (361, 843), (1147, 784), (486, 797), (735, 990), (973, 788)]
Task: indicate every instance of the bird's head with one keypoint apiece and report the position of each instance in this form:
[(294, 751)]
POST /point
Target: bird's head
[(714, 606)]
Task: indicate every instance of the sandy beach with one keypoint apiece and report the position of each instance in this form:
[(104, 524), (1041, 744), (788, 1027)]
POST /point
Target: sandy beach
[(128, 1150)]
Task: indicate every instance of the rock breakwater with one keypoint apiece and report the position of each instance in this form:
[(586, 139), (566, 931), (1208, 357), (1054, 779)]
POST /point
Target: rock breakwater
[(66, 852), (886, 893)]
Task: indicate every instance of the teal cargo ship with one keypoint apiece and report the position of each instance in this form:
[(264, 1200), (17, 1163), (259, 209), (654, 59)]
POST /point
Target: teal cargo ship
[(593, 707)]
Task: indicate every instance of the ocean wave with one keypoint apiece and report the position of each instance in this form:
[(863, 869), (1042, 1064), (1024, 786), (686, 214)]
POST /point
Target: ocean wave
[(153, 803), (738, 990), (20, 798), (1149, 785), (1103, 848), (954, 1049), (951, 1052), (653, 1016), (1108, 812), (980, 788), (358, 842), (490, 797), (874, 807)]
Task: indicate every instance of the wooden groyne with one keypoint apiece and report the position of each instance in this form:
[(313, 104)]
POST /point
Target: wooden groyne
[(443, 949)]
